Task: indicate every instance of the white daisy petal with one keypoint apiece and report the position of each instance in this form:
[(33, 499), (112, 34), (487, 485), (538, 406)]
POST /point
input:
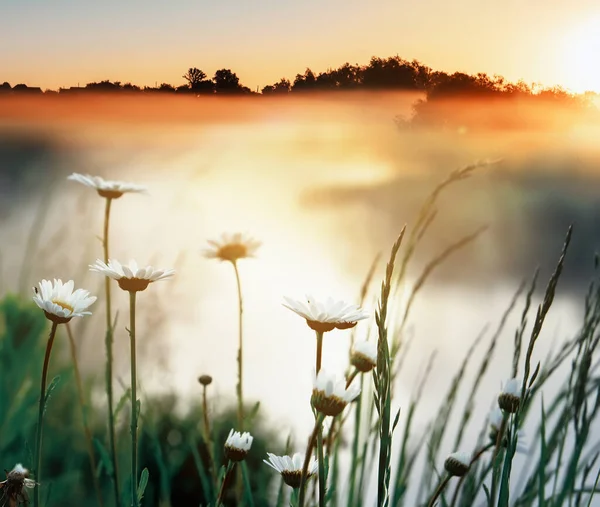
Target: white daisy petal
[(60, 302), (106, 188)]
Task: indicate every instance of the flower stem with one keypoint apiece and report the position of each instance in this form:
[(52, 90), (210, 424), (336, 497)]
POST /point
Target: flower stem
[(134, 410), (321, 461), (109, 361), (86, 428), (319, 350), (476, 457), (439, 490), (351, 378), (38, 445), (311, 445), (495, 470), (240, 386), (228, 470), (207, 437)]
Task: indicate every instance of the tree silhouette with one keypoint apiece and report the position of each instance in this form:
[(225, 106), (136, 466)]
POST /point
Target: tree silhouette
[(283, 86), (305, 82), (194, 76), (228, 82)]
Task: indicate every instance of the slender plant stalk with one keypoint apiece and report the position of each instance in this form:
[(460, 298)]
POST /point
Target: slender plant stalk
[(439, 490), (240, 386), (86, 428), (230, 467), (321, 462), (474, 460), (319, 350), (309, 449), (38, 445), (351, 378), (355, 442), (109, 361), (134, 410), (320, 456), (499, 438), (239, 484), (207, 437)]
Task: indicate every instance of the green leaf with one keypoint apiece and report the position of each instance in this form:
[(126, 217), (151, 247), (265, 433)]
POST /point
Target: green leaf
[(121, 404), (51, 388), (143, 483), (543, 459), (105, 459)]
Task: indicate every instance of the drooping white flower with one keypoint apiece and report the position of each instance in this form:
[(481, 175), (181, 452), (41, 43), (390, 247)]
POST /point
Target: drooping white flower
[(330, 395), (325, 316), (237, 445), (510, 397), (458, 463), (290, 468), (107, 188), (364, 355), (232, 247), (16, 480), (131, 277), (60, 303)]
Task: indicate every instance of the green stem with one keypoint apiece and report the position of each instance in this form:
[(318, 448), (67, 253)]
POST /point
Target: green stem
[(476, 457), (319, 350), (134, 414), (38, 446), (230, 466), (240, 385), (309, 449), (355, 442), (109, 362), (86, 428), (439, 490), (321, 461), (351, 378), (240, 391), (207, 438), (495, 471)]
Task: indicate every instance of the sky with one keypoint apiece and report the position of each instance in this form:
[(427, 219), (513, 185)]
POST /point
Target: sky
[(66, 43)]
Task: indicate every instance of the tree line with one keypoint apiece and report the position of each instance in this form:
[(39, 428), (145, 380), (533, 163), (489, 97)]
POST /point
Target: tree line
[(393, 73)]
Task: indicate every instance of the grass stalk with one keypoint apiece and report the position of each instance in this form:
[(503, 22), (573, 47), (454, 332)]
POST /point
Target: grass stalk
[(109, 358), (41, 410), (134, 404), (86, 428)]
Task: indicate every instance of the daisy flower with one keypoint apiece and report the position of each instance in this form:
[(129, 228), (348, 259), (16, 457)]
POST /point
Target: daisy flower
[(364, 355), (232, 247), (16, 480), (510, 397), (60, 303), (107, 188), (290, 467), (330, 395), (458, 463), (328, 315), (131, 277), (237, 445)]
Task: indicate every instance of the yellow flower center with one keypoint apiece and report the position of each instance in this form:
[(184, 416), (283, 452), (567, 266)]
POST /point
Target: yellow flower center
[(63, 305), (232, 252)]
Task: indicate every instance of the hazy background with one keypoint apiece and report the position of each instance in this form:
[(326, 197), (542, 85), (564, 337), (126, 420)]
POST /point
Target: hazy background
[(326, 183)]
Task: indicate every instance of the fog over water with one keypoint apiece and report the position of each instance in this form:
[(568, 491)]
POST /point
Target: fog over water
[(326, 183)]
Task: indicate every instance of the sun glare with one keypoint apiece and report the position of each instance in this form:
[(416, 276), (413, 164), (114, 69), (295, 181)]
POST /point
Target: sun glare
[(580, 56)]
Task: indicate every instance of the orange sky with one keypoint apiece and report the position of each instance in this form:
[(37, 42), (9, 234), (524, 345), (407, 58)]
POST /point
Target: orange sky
[(66, 42)]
